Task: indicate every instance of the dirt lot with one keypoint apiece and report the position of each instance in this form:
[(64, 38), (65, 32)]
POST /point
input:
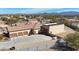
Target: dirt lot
[(67, 31)]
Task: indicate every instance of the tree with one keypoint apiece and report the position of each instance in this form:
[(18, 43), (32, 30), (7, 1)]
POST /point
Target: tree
[(1, 37), (32, 32), (73, 40), (12, 21)]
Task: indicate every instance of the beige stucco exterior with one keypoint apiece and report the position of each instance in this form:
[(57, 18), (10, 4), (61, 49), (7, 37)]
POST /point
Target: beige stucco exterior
[(56, 29), (19, 32), (17, 35), (36, 30), (53, 28)]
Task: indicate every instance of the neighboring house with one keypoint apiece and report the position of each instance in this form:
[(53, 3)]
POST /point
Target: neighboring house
[(1, 31), (72, 20), (75, 24), (52, 28), (2, 27), (2, 22)]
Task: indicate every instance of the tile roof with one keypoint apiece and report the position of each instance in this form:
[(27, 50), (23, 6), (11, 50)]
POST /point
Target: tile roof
[(22, 26)]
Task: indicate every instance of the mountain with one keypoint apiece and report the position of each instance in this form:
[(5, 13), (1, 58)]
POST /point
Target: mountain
[(64, 13), (70, 13)]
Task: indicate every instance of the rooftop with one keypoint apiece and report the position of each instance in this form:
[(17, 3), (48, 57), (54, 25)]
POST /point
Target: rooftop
[(51, 24), (24, 26)]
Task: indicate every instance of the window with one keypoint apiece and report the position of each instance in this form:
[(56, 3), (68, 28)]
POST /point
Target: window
[(25, 33), (13, 35), (20, 34)]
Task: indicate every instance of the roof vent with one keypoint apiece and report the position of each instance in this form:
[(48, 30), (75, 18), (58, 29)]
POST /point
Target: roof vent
[(13, 24)]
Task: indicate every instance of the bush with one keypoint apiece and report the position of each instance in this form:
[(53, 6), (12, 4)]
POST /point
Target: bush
[(73, 40)]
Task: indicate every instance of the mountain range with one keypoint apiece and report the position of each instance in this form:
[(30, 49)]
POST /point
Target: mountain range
[(69, 11), (64, 13)]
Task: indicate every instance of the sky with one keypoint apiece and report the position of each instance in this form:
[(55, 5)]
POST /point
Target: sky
[(35, 10)]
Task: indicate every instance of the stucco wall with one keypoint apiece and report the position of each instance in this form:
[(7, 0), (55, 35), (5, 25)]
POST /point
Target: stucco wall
[(21, 33), (36, 31), (11, 33), (56, 29)]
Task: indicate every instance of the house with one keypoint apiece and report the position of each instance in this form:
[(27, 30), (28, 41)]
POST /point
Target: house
[(52, 28), (75, 24), (24, 28)]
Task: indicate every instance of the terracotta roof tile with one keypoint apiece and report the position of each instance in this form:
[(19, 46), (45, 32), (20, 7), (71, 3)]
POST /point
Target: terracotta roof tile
[(22, 26)]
